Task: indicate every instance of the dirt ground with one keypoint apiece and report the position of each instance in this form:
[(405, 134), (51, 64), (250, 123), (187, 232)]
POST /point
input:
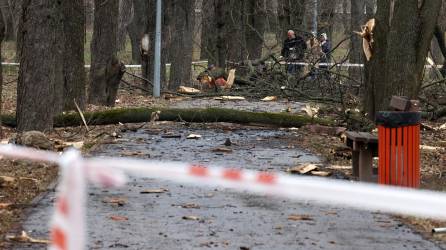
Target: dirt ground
[(30, 179)]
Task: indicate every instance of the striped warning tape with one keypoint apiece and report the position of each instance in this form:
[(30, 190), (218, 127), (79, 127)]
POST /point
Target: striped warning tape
[(68, 221)]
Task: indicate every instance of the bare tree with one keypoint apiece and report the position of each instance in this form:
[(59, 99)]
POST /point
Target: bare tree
[(401, 40), (73, 57), (182, 44), (126, 14), (39, 72), (106, 69)]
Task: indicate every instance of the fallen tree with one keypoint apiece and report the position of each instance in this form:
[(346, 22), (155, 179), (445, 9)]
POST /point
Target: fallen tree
[(137, 115)]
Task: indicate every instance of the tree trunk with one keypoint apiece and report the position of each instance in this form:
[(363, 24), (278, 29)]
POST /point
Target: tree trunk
[(39, 74), (106, 69), (400, 49), (357, 19), (2, 36), (73, 57), (126, 14), (138, 115), (183, 24), (138, 27), (255, 21)]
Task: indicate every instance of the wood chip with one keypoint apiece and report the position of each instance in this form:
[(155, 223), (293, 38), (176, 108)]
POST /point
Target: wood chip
[(188, 90), (270, 99), (304, 169), (300, 217), (25, 238), (191, 205), (222, 150), (154, 191), (190, 218), (118, 218), (193, 136), (230, 98), (321, 173), (118, 201)]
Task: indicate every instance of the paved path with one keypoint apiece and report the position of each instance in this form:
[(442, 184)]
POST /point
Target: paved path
[(225, 220)]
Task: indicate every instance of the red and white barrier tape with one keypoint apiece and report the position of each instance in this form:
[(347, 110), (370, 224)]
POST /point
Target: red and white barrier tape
[(68, 223)]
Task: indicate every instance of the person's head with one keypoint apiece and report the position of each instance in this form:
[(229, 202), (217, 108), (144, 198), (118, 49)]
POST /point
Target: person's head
[(291, 34), (323, 37)]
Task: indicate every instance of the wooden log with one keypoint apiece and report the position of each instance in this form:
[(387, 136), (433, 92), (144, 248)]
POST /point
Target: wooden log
[(137, 115)]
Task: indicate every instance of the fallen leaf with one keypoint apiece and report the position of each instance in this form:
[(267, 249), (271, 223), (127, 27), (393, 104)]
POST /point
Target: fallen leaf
[(190, 218), (297, 217), (193, 136), (191, 205), (222, 150), (304, 169), (321, 173), (270, 99), (154, 191), (25, 238), (118, 218)]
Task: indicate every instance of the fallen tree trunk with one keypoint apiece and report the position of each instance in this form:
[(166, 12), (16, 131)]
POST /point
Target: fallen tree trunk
[(136, 115)]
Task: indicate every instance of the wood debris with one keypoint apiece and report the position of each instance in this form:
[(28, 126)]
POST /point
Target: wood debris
[(188, 90), (303, 169), (270, 99), (222, 150), (5, 205), (193, 136), (116, 201), (191, 205), (190, 218), (320, 173), (25, 238), (230, 98), (300, 217), (154, 191), (118, 218)]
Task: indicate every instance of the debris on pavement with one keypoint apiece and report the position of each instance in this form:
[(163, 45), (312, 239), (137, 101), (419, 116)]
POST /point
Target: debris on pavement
[(188, 90), (190, 218), (300, 217), (320, 173), (439, 230), (118, 218), (116, 201), (222, 150), (25, 238), (228, 142), (270, 99), (193, 136), (230, 98), (303, 169), (190, 205), (154, 191)]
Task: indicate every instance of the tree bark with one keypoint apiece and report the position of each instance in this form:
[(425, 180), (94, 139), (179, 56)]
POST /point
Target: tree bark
[(402, 39), (181, 60), (73, 57), (2, 36), (39, 72), (255, 21), (138, 27), (126, 14), (358, 18), (106, 69)]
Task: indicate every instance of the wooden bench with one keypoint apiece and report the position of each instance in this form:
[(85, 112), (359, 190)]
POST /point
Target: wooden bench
[(364, 147)]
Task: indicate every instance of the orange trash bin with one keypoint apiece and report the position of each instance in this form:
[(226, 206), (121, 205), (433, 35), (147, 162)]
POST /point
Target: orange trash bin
[(399, 148)]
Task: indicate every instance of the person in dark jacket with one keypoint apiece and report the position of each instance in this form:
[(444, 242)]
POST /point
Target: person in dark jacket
[(326, 50), (293, 51)]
